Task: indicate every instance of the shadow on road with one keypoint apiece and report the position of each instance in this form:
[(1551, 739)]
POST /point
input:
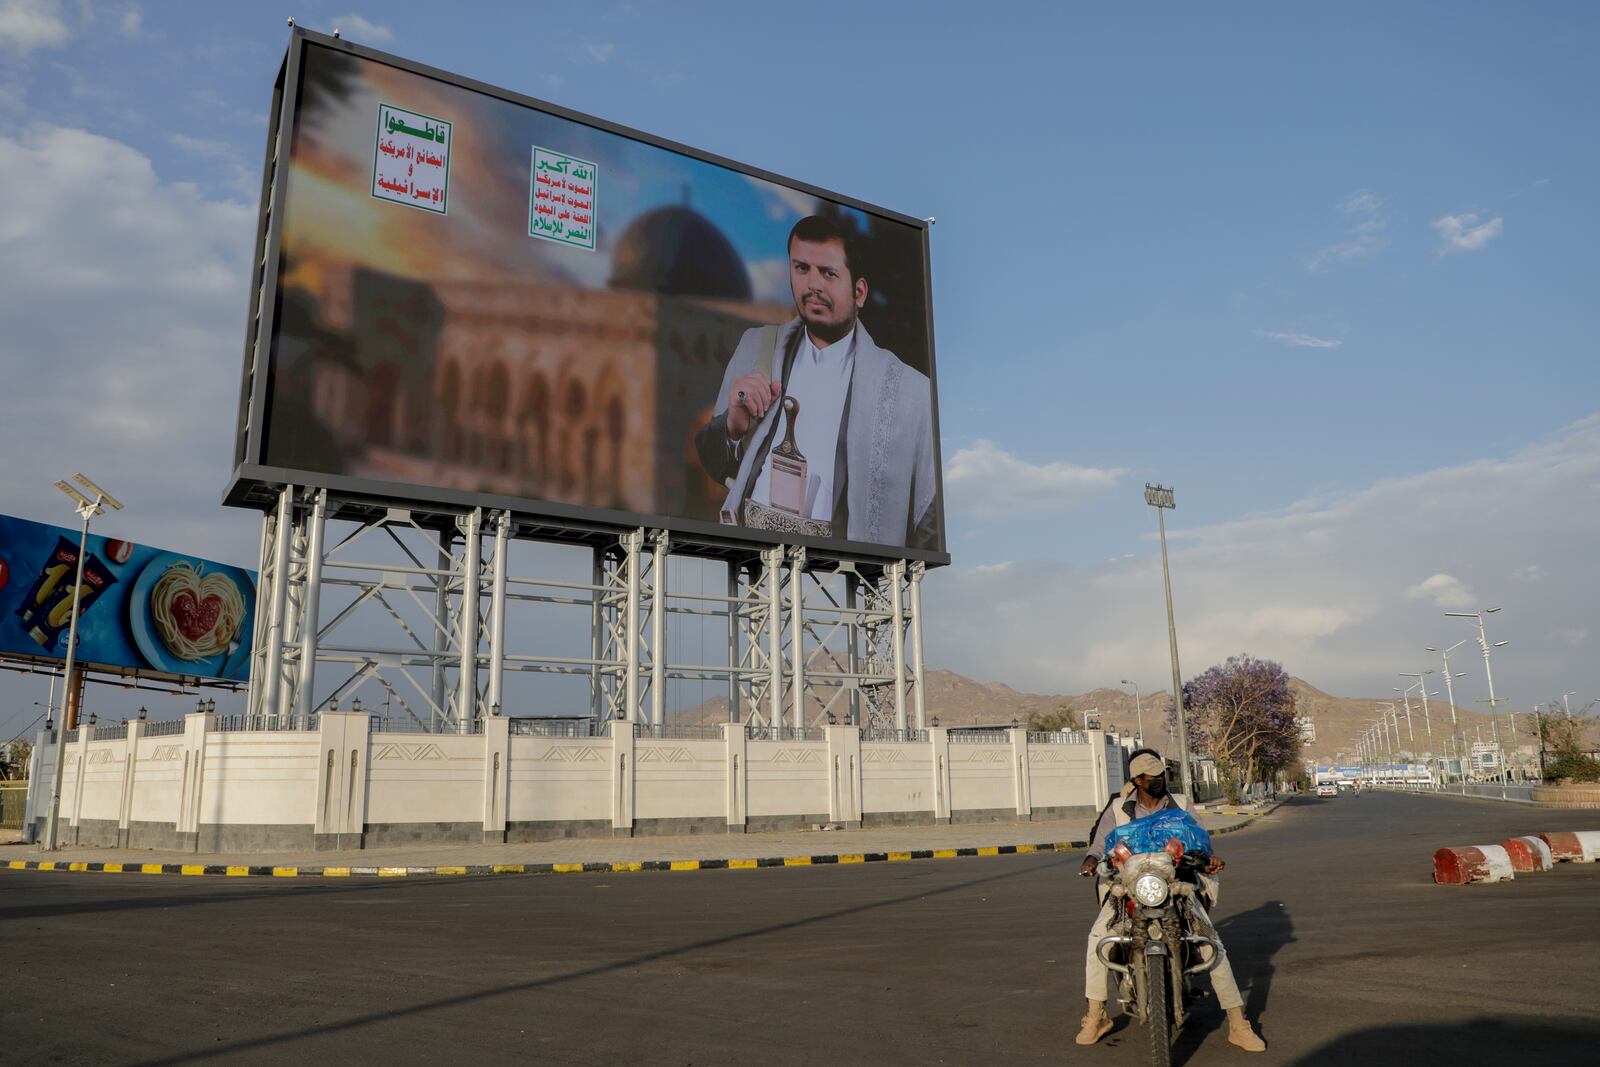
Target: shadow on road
[(343, 1026), (1253, 937), (1478, 1041)]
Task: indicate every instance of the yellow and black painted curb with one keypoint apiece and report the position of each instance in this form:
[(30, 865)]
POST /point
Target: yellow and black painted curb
[(619, 867)]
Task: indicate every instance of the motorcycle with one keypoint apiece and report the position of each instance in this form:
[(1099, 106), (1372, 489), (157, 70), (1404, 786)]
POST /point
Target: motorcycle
[(1156, 940)]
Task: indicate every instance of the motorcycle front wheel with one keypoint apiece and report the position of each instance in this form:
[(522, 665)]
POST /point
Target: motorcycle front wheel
[(1158, 1013)]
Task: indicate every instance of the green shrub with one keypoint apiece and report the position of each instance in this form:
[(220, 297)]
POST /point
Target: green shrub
[(1574, 765)]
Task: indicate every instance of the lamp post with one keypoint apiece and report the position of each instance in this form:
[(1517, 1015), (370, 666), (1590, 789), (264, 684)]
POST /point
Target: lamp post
[(1405, 695), (1160, 498), (1450, 695), (86, 509), (1483, 643), (1138, 710)]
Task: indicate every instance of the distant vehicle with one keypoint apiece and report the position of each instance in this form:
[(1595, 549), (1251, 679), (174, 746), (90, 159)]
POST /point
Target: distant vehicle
[(1327, 789)]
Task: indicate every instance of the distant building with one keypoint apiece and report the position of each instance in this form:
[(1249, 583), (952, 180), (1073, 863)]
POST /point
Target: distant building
[(1308, 730)]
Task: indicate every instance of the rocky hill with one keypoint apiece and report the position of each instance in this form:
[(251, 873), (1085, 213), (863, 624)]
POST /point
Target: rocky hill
[(957, 700)]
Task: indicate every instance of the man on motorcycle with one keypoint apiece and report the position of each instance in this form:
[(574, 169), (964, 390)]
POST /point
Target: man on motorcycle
[(1145, 794)]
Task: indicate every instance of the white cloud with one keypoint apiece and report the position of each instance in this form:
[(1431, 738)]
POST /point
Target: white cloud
[(1298, 339), (984, 481), (596, 51), (1445, 591), (361, 30), (200, 146), (29, 24), (1464, 233), (1531, 573), (132, 21), (124, 301), (1366, 236), (1325, 586)]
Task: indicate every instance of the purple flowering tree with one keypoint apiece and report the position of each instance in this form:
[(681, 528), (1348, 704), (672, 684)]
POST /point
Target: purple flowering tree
[(1241, 714)]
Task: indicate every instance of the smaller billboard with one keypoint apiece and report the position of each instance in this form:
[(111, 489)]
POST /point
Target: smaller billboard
[(140, 609)]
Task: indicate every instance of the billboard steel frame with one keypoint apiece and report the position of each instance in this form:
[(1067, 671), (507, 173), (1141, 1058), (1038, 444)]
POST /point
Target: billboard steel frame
[(799, 654)]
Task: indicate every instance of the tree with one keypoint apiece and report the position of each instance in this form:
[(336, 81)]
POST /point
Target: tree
[(1563, 750), (1242, 714), (1049, 722), (14, 759)]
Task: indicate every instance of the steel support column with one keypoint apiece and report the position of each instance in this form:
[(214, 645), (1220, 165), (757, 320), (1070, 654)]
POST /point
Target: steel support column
[(311, 598), (896, 573), (658, 629), (467, 623), (497, 612), (797, 634)]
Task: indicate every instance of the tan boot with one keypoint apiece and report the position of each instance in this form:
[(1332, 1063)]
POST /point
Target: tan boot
[(1096, 1023), (1240, 1032)]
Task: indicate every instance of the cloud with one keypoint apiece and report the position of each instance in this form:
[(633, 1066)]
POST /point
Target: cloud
[(363, 31), (596, 51), (985, 481), (29, 24), (1531, 573), (1329, 587), (1297, 339), (124, 298), (206, 149), (1445, 590), (1368, 220), (1464, 233)]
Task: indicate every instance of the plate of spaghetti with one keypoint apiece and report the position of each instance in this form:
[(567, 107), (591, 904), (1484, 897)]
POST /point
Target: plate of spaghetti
[(190, 617)]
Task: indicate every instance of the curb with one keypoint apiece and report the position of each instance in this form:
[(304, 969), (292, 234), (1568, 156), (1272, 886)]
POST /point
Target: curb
[(201, 870)]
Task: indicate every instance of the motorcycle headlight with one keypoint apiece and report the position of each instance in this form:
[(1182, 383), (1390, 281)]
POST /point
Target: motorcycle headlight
[(1150, 890)]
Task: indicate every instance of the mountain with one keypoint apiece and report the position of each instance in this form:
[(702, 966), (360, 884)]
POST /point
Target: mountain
[(956, 700)]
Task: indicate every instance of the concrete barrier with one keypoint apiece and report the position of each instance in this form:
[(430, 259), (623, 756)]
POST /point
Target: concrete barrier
[(1582, 846), (1471, 863), (1528, 854)]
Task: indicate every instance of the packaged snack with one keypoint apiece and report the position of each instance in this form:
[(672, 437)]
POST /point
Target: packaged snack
[(55, 615), (54, 574)]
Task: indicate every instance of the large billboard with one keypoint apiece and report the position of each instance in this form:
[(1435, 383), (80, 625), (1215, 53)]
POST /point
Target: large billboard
[(141, 610), (473, 298)]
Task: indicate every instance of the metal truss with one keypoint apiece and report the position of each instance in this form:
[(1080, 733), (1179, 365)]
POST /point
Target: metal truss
[(411, 611)]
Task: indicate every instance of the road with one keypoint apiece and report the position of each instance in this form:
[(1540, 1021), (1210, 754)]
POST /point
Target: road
[(1345, 950)]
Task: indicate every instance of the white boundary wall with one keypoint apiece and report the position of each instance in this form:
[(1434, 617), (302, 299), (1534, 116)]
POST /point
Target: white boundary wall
[(341, 785)]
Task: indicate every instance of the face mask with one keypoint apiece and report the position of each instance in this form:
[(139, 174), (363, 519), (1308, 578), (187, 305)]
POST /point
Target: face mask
[(1156, 787)]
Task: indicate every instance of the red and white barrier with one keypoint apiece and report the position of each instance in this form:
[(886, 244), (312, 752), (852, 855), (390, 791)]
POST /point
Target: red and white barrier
[(1472, 863), (1528, 854), (1583, 846)]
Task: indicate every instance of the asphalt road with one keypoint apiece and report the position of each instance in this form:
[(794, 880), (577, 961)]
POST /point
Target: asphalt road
[(1346, 952)]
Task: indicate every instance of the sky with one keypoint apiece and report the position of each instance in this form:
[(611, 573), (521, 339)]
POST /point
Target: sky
[(1327, 270)]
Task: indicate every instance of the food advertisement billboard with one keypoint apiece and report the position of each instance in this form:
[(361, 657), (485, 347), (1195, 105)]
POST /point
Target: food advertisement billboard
[(473, 298), (140, 609)]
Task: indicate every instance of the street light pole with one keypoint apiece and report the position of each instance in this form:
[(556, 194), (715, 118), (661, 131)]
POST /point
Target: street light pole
[(1138, 709), (1160, 498), (1450, 695), (87, 509)]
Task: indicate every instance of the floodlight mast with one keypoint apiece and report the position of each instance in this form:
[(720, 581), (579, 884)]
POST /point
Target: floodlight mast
[(1160, 498), (87, 509)]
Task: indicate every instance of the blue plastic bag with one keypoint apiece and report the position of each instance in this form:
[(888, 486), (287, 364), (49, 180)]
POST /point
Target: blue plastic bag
[(1151, 833)]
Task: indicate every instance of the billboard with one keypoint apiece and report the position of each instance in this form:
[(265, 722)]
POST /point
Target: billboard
[(141, 610), (469, 297)]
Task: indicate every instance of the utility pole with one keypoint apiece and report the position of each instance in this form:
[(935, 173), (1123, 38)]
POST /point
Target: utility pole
[(1160, 498)]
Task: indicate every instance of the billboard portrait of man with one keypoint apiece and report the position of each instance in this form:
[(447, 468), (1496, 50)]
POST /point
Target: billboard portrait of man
[(817, 430)]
